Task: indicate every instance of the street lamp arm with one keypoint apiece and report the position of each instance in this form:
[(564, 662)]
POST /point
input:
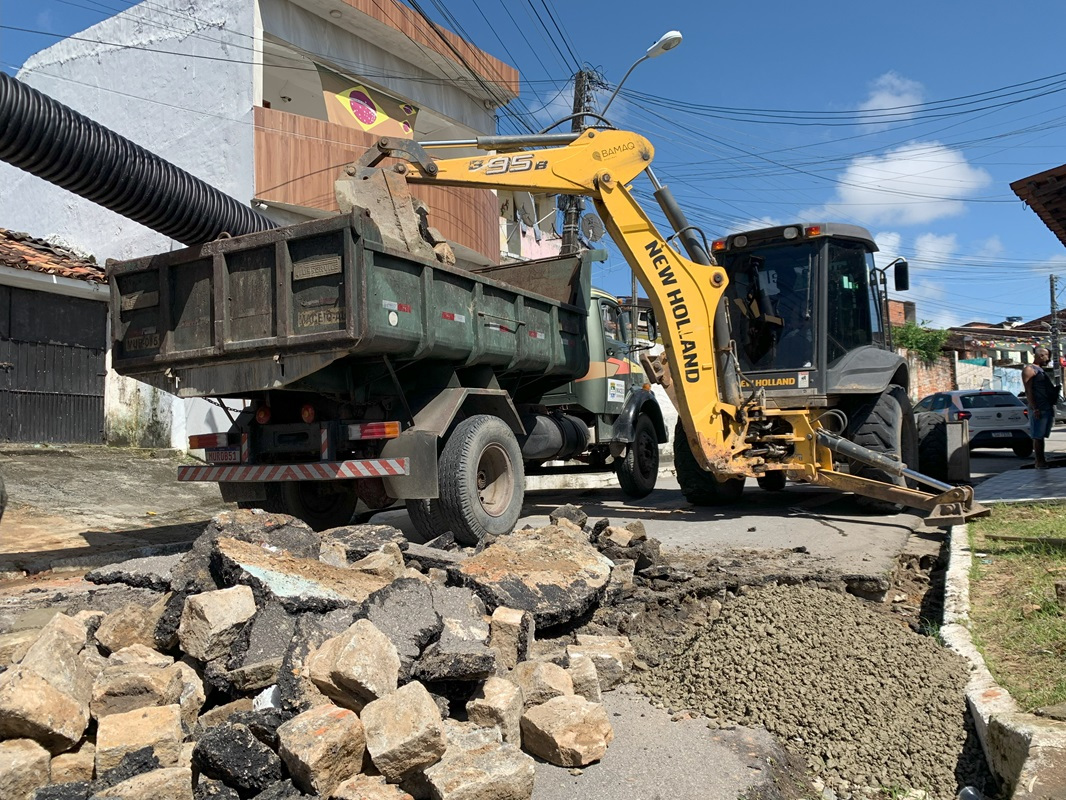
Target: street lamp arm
[(667, 42), (640, 60)]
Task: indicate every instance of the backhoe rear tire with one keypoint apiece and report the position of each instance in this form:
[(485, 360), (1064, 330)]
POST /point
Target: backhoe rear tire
[(932, 445), (700, 487), (773, 481), (885, 425), (482, 479), (638, 471)]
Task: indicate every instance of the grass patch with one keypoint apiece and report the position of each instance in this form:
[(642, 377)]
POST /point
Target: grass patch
[(1018, 625)]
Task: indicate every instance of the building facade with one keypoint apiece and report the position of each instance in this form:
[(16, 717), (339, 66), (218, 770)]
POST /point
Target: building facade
[(268, 100)]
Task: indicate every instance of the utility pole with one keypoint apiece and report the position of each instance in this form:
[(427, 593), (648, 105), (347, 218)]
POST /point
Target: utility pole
[(1055, 351), (573, 205)]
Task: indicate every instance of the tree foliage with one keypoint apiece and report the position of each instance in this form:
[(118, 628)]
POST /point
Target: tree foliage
[(926, 342)]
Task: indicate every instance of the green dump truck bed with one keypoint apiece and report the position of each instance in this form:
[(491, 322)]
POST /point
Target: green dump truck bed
[(263, 311)]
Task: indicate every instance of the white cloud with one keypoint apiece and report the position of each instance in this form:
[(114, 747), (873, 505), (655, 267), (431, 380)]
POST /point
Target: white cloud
[(927, 290), (44, 21), (888, 243), (990, 247), (909, 185), (932, 250), (554, 107), (931, 298), (888, 94)]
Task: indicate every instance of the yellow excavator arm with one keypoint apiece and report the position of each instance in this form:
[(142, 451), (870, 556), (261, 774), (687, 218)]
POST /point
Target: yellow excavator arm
[(601, 165), (700, 373)]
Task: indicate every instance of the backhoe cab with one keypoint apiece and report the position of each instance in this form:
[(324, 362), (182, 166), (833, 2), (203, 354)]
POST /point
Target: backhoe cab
[(774, 356)]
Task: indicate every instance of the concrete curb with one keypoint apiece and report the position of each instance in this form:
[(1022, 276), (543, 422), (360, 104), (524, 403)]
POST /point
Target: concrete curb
[(593, 480), (1027, 752)]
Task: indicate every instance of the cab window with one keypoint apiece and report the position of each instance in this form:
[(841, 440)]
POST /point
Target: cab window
[(851, 324), (612, 322)]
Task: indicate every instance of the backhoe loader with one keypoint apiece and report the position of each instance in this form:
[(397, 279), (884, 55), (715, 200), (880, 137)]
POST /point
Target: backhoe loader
[(751, 404)]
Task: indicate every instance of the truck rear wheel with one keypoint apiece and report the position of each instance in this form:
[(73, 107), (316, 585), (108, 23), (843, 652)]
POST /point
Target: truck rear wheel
[(482, 479), (321, 504), (638, 471), (700, 487), (426, 517), (933, 445), (886, 425)]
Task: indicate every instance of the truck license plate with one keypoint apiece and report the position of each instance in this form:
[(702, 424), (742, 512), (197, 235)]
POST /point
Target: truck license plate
[(223, 455), (1001, 435)]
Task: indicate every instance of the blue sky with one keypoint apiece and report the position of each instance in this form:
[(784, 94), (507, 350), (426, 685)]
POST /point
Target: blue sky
[(909, 118)]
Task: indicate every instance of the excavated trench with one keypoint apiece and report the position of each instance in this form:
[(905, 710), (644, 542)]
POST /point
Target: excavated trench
[(860, 692)]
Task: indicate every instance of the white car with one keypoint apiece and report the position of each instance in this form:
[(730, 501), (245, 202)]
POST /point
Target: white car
[(996, 419)]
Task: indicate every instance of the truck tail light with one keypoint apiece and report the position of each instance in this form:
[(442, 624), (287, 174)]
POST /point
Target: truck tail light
[(813, 230), (718, 246), (205, 440), (262, 415), (307, 413), (374, 430)]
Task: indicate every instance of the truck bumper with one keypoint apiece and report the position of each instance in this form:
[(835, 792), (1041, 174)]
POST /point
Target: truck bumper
[(313, 471)]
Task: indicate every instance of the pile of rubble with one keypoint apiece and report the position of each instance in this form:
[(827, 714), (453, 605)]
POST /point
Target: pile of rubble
[(279, 663)]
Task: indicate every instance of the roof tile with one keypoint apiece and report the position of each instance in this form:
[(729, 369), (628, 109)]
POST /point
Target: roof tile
[(22, 251)]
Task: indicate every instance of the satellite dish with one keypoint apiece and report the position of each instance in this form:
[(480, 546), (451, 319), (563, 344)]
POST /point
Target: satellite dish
[(592, 227), (524, 207)]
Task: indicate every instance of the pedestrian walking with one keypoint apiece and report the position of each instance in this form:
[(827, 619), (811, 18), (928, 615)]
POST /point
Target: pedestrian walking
[(1041, 393)]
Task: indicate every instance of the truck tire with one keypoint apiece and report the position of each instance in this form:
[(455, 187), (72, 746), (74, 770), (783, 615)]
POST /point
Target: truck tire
[(426, 517), (321, 504), (700, 487), (933, 445), (639, 470), (885, 425), (773, 481), (482, 479)]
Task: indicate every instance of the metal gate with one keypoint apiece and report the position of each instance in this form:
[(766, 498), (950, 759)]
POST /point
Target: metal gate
[(52, 367)]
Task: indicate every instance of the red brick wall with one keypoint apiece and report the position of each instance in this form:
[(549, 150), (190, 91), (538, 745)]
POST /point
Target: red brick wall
[(900, 312), (929, 378)]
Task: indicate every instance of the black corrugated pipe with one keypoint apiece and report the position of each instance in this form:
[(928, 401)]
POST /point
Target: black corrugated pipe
[(54, 142)]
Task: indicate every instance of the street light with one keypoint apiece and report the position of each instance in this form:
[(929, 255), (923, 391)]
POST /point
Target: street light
[(668, 41)]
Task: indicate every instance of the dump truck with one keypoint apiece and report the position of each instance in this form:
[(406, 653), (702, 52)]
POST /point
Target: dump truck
[(371, 375), (375, 369)]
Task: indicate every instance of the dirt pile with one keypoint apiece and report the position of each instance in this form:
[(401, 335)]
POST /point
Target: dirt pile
[(868, 703)]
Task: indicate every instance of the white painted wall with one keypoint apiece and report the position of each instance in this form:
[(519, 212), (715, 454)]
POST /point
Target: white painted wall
[(974, 376), (193, 109)]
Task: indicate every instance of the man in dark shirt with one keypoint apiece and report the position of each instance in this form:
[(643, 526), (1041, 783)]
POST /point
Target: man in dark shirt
[(1041, 393)]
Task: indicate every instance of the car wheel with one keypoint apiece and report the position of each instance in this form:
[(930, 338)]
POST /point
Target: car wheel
[(1023, 449)]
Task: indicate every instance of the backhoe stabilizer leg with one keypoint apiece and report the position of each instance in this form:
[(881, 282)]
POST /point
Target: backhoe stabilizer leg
[(952, 506)]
